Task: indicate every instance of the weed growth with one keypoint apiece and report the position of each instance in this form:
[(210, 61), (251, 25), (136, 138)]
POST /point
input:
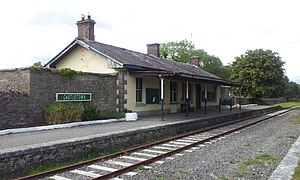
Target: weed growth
[(258, 159)]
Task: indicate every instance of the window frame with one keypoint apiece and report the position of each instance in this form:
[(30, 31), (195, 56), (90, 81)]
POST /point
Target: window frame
[(173, 92), (139, 90)]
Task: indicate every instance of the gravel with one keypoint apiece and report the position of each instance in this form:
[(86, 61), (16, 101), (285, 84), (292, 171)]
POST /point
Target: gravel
[(254, 153)]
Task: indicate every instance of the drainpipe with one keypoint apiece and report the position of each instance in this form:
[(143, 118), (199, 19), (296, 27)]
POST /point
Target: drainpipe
[(162, 98)]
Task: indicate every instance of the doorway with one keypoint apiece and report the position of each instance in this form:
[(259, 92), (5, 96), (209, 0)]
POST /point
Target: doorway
[(198, 96)]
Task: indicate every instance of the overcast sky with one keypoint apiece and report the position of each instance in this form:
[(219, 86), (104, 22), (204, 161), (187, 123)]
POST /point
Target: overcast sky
[(35, 30)]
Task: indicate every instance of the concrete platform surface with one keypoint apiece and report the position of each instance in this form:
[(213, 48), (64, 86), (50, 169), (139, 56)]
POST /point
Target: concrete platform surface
[(34, 137)]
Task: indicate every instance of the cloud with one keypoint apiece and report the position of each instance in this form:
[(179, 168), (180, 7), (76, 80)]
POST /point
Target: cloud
[(49, 17)]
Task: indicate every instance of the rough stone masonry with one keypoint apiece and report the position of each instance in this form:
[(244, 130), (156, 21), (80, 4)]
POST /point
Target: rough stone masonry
[(24, 93)]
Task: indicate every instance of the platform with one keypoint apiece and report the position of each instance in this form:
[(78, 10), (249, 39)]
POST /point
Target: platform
[(29, 149)]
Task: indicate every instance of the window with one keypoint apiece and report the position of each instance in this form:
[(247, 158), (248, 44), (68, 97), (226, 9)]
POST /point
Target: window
[(139, 89), (211, 93), (152, 96), (173, 91), (184, 91)]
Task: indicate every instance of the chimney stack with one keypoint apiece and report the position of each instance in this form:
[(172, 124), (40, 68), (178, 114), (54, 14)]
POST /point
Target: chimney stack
[(153, 49), (195, 60), (86, 28)]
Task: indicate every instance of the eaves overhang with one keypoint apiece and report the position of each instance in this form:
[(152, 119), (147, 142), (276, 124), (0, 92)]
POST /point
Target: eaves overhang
[(182, 76)]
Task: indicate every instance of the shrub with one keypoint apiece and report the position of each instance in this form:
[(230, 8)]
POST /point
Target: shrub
[(294, 99), (92, 113), (62, 112), (226, 102), (65, 112), (67, 73)]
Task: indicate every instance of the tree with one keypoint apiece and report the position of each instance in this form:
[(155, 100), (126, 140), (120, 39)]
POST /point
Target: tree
[(292, 90), (263, 72), (179, 50), (37, 64), (212, 64), (183, 50)]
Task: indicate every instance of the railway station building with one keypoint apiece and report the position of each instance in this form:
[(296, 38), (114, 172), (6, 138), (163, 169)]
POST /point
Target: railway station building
[(143, 80)]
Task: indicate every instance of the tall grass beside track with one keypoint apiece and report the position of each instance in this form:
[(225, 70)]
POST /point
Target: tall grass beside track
[(287, 104)]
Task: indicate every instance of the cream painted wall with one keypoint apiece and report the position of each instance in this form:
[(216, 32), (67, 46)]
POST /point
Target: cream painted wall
[(82, 59), (153, 82)]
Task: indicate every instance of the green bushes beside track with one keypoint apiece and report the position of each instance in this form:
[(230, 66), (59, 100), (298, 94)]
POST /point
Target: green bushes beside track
[(65, 112)]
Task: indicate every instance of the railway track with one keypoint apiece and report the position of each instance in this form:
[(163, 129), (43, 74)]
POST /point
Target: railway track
[(120, 165)]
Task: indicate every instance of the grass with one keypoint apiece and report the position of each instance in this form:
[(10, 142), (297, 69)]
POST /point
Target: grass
[(256, 160), (287, 104), (296, 120), (296, 175), (247, 143), (242, 171), (143, 168), (279, 136), (223, 178)]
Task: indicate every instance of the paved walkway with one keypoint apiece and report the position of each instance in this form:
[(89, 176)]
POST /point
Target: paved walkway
[(33, 137)]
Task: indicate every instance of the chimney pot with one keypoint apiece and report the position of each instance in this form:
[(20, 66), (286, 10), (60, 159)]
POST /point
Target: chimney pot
[(153, 49), (86, 28)]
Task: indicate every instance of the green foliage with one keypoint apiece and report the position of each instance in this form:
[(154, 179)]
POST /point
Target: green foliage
[(258, 159), (263, 71), (247, 143), (182, 51), (292, 91), (92, 113), (296, 175), (294, 99), (223, 178), (265, 157), (37, 67), (37, 64), (212, 64), (226, 102), (61, 112), (178, 50), (65, 112), (68, 73), (288, 104)]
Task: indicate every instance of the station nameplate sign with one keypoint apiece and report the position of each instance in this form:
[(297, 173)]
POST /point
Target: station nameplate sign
[(73, 97)]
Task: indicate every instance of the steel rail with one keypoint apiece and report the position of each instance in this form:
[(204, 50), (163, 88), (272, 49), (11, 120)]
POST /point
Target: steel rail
[(167, 154), (126, 169)]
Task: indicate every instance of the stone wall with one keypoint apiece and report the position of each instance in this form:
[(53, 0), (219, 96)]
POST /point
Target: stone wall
[(271, 101), (25, 93), (15, 80)]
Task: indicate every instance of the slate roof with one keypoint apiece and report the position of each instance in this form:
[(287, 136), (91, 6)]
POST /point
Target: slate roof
[(129, 58)]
